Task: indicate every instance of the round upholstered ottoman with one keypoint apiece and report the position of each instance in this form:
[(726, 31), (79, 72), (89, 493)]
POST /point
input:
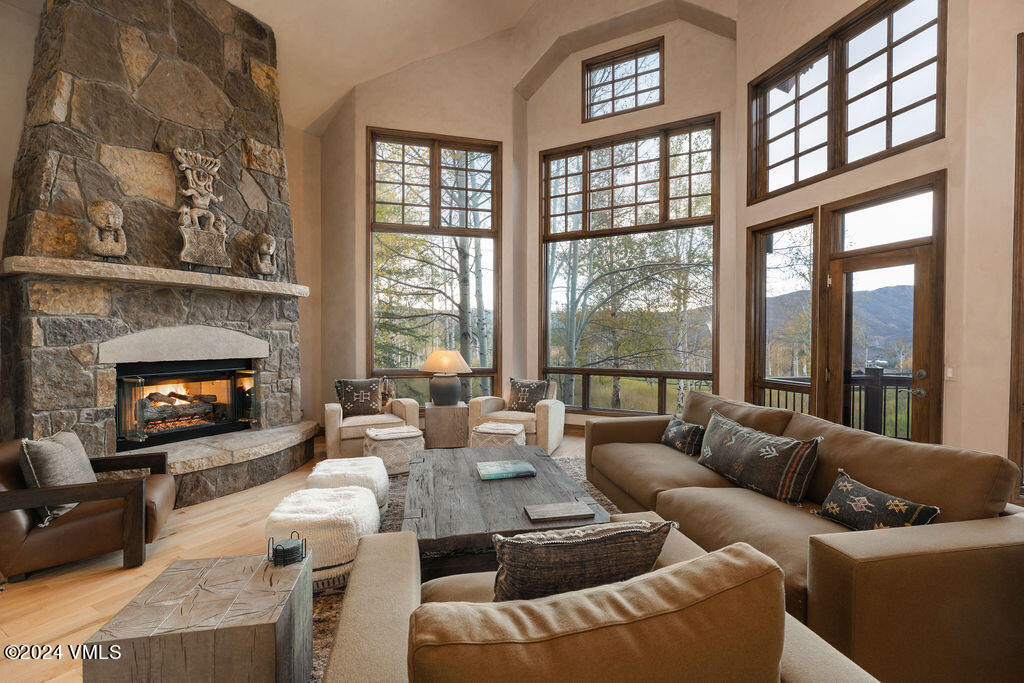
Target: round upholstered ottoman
[(369, 473), (497, 434), (332, 521), (393, 445)]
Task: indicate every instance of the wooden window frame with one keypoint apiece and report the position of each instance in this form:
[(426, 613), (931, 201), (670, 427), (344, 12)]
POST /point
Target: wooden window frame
[(755, 382), (436, 142), (712, 121), (832, 41), (828, 242), (617, 56), (1015, 447)]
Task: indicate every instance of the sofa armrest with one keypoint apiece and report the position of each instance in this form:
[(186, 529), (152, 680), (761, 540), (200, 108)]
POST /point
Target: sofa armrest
[(954, 592), (550, 414), (481, 405), (155, 462), (133, 507), (806, 658), (372, 638), (332, 429), (646, 429), (406, 408)]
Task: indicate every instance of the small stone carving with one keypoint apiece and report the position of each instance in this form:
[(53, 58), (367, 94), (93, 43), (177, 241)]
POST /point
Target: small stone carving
[(106, 236), (264, 256), (203, 230)]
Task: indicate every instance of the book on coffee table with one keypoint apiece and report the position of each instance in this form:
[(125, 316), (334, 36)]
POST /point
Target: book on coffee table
[(505, 469), (550, 512)]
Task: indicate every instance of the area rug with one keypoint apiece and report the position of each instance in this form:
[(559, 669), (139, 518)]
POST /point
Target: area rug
[(327, 607)]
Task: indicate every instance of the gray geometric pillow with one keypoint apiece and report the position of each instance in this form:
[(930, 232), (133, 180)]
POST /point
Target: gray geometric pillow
[(776, 466), (359, 396), (540, 563), (526, 394), (683, 436), (861, 507), (58, 460)]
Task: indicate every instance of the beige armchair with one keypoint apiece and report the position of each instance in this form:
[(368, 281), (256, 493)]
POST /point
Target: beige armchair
[(544, 427), (344, 435)]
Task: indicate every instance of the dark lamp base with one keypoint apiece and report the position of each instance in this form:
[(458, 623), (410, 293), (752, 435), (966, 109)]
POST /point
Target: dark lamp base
[(445, 390)]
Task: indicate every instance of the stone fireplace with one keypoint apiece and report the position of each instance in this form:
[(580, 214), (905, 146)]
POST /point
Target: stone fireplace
[(149, 232)]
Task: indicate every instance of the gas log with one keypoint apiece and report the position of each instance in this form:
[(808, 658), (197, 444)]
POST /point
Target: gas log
[(179, 410)]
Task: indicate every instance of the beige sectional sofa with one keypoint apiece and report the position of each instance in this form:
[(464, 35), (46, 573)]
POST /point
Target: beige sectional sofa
[(695, 616), (937, 602)]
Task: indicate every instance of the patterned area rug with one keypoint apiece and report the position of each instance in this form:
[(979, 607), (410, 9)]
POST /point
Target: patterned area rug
[(327, 607)]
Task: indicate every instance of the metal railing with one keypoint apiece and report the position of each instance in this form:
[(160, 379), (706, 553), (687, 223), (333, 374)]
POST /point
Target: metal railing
[(878, 402)]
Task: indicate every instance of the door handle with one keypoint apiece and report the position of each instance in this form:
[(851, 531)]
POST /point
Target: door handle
[(918, 393)]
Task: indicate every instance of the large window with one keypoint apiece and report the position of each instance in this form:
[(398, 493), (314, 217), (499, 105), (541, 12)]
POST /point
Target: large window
[(629, 271), (624, 80), (434, 218), (870, 86)]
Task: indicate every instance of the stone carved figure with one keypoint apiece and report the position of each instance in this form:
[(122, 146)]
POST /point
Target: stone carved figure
[(264, 256), (203, 230), (106, 236)]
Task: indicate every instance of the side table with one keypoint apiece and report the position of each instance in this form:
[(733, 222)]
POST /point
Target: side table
[(446, 426)]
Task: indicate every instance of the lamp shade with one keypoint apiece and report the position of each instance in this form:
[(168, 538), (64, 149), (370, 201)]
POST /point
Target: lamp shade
[(446, 362)]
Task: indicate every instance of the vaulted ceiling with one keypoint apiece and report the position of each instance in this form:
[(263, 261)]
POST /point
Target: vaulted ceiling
[(325, 47)]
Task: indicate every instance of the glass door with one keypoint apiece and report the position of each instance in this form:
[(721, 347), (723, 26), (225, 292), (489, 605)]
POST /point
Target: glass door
[(883, 370)]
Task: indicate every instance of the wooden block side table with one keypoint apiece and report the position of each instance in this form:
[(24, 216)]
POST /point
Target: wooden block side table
[(222, 618), (446, 426)]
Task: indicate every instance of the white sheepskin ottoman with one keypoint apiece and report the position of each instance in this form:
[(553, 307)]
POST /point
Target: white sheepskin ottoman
[(393, 445), (497, 434), (369, 473), (332, 521)]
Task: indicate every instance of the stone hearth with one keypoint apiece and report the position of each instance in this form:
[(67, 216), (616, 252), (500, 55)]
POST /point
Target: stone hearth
[(151, 123)]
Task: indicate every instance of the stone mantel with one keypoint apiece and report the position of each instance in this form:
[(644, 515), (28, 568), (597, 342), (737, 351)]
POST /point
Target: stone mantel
[(120, 272)]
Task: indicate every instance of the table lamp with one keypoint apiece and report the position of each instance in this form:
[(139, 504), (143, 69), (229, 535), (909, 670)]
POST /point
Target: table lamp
[(445, 386)]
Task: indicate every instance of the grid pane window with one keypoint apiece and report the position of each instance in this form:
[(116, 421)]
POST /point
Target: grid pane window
[(402, 183), (873, 86), (797, 125), (892, 80), (689, 174), (565, 193), (466, 188), (624, 184), (630, 79)]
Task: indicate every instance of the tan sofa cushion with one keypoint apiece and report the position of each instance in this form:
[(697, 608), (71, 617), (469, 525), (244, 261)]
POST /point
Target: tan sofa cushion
[(698, 406), (643, 470), (714, 518), (964, 484), (694, 617), (528, 420), (354, 426)]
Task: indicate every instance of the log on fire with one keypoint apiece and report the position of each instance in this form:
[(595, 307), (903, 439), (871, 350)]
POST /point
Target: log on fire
[(178, 410), (205, 398)]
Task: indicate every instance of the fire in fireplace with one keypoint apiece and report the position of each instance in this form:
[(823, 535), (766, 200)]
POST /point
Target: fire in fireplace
[(159, 403)]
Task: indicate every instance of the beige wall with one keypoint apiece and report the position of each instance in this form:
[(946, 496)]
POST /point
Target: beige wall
[(18, 29), (302, 154)]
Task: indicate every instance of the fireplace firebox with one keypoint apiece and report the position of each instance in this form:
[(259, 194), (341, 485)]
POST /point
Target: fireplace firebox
[(159, 403)]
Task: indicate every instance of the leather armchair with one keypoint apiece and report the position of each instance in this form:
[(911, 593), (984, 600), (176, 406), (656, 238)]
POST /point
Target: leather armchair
[(344, 435), (545, 427), (123, 514)]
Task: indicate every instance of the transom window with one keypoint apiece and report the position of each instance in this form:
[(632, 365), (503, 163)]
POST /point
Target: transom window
[(870, 86), (624, 80), (434, 221), (616, 183)]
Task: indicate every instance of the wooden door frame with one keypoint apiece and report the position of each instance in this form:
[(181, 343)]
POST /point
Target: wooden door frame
[(1015, 449), (830, 234)]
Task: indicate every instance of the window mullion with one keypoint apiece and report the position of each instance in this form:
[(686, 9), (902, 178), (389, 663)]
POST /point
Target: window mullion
[(836, 104), (585, 165), (435, 184), (663, 178)]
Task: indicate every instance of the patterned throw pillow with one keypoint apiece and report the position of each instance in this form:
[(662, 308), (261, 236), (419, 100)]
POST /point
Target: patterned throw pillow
[(59, 460), (861, 507), (526, 394), (776, 466), (359, 396), (387, 391), (541, 563), (683, 436)]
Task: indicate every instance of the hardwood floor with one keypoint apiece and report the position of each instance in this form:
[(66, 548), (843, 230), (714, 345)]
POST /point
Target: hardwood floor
[(67, 604)]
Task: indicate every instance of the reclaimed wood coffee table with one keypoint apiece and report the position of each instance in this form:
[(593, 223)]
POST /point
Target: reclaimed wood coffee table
[(222, 618), (454, 513)]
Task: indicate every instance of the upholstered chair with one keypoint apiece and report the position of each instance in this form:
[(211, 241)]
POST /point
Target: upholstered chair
[(544, 427), (344, 434)]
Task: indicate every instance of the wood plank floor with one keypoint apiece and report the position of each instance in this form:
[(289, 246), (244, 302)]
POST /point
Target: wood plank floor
[(68, 604)]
